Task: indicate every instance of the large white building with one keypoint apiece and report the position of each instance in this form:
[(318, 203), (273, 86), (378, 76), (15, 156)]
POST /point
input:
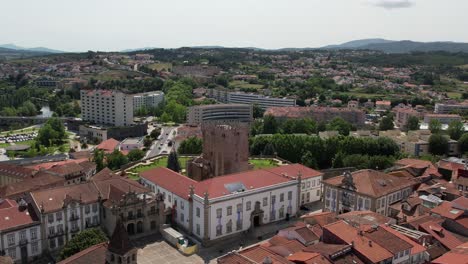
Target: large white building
[(20, 232), (449, 108), (226, 112), (147, 100), (107, 107), (262, 101), (224, 206)]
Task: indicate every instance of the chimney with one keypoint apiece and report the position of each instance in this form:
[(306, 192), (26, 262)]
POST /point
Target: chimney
[(370, 243)]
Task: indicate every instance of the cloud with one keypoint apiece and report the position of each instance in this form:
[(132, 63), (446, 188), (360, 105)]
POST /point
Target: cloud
[(392, 4)]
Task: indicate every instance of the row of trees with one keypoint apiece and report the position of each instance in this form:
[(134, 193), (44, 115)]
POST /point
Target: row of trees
[(325, 153), (115, 160)]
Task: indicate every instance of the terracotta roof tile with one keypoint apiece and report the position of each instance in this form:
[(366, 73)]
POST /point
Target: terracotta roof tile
[(440, 234), (234, 258), (108, 145), (294, 169), (94, 254), (13, 216), (446, 210), (41, 180), (388, 240), (16, 171), (259, 253), (415, 247), (374, 183)]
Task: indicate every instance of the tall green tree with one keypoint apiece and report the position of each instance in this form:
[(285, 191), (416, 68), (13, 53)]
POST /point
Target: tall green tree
[(269, 150), (463, 143), (257, 111), (51, 133), (83, 240), (438, 144), (116, 160), (270, 125), (456, 129), (173, 162), (435, 126), (98, 158), (386, 123), (135, 154), (191, 145), (413, 123), (339, 124)]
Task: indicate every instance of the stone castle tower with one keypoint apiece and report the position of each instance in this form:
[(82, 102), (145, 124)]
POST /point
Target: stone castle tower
[(225, 150)]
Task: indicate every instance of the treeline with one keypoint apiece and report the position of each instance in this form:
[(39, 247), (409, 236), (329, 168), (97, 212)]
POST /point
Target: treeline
[(130, 85), (439, 58), (20, 98), (326, 153)]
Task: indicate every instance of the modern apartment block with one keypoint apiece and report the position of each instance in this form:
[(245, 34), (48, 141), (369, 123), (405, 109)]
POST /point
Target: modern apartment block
[(147, 100), (107, 107), (448, 108), (443, 118), (223, 112), (262, 101)]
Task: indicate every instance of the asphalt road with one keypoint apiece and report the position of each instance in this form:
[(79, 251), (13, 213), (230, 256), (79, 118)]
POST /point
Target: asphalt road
[(160, 146)]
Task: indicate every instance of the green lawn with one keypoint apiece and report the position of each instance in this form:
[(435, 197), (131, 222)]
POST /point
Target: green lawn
[(263, 163), (162, 162)]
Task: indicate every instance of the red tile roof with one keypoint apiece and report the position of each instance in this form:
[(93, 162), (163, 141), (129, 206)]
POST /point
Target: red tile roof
[(374, 183), (440, 234), (430, 168), (93, 254), (12, 216), (459, 255), (15, 171), (364, 217), (216, 187), (294, 170), (446, 210), (41, 180), (415, 247), (258, 254), (48, 165), (234, 258), (108, 145), (348, 234), (322, 218), (388, 240)]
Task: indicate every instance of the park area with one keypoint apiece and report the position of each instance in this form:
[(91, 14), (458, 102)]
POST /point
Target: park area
[(133, 172)]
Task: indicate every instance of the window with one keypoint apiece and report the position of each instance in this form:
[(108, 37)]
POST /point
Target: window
[(95, 220), (60, 241), (153, 225), (290, 195), (265, 201), (11, 239), (219, 230), (229, 210), (313, 183), (198, 211), (198, 229), (33, 232), (52, 243), (239, 208), (181, 204), (328, 192), (60, 229), (51, 230), (308, 196), (182, 218), (367, 204), (22, 235), (303, 185), (35, 247), (302, 197), (87, 209), (219, 213), (88, 221), (282, 197), (229, 227), (248, 206), (58, 216), (95, 208), (308, 184), (281, 212), (318, 193), (273, 199), (50, 218)]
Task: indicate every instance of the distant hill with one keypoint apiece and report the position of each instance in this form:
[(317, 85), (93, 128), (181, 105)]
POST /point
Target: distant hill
[(404, 46), (37, 49), (358, 43), (6, 53)]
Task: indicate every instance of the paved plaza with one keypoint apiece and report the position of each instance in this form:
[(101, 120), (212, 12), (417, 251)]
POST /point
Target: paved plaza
[(160, 251)]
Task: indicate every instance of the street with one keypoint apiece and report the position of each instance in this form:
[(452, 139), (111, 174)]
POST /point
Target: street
[(160, 146)]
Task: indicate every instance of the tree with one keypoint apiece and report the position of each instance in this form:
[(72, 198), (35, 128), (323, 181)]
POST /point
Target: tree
[(340, 125), (438, 144), (173, 162), (435, 126), (257, 111), (463, 143), (83, 240), (165, 117), (135, 154), (270, 126), (191, 145), (269, 150), (413, 123), (386, 123), (116, 160), (98, 158), (309, 160), (84, 145), (456, 129), (155, 133), (52, 133), (147, 141)]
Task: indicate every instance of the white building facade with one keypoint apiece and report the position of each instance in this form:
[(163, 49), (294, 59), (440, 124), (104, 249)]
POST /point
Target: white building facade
[(147, 100)]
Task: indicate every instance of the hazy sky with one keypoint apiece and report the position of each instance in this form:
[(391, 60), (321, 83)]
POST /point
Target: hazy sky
[(80, 25)]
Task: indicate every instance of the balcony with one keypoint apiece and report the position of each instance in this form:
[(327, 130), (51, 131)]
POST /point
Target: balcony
[(75, 229)]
